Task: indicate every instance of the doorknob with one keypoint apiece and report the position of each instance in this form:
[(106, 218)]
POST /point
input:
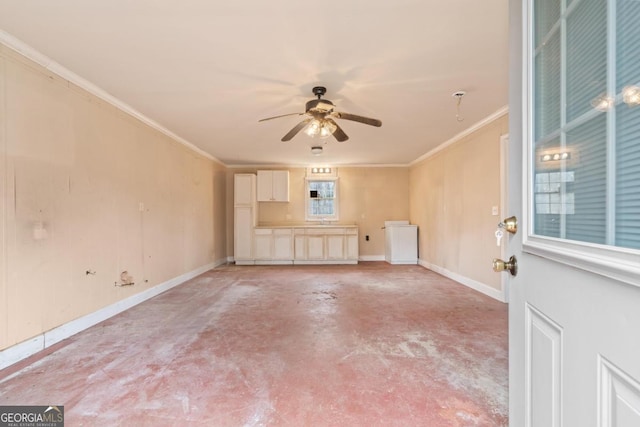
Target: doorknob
[(511, 265)]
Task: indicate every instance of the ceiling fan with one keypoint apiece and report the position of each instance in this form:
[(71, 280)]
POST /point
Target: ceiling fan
[(319, 121)]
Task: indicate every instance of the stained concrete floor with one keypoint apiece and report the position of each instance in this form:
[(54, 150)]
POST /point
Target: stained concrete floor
[(365, 345)]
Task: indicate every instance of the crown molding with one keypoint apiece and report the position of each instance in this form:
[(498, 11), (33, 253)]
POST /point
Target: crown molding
[(476, 126)]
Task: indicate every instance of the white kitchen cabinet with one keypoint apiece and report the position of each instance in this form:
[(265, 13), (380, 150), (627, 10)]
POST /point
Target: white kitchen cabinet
[(326, 245), (352, 245), (262, 243), (282, 244), (273, 186), (299, 244), (335, 246), (244, 189), (273, 245), (243, 230), (244, 217), (315, 247)]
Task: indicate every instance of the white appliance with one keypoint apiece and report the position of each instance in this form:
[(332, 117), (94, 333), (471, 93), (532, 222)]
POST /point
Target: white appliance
[(401, 242)]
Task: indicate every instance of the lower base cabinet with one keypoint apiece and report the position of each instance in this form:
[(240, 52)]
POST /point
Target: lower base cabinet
[(322, 245), (273, 245), (305, 245)]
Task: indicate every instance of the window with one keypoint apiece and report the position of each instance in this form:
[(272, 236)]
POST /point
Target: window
[(582, 126), (322, 199), (585, 128)]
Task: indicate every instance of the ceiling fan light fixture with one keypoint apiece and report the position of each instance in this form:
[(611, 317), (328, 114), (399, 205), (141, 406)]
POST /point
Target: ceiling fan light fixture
[(316, 150), (320, 128)]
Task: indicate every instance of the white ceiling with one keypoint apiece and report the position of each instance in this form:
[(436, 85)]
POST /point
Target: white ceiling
[(207, 70)]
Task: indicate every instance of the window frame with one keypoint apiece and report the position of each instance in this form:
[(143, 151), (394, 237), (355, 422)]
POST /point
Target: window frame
[(615, 262), (307, 199)]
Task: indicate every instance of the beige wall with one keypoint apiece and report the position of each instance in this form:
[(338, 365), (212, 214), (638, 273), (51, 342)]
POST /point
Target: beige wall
[(367, 196), (80, 169), (451, 196)]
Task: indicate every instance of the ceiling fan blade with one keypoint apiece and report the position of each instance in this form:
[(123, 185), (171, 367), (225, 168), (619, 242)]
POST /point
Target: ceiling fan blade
[(338, 133), (355, 118), (277, 117), (295, 130)]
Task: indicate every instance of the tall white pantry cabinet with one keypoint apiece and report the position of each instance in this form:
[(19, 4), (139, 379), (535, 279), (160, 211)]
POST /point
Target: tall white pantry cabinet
[(244, 217)]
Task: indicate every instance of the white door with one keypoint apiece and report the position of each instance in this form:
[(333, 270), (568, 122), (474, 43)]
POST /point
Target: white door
[(574, 306)]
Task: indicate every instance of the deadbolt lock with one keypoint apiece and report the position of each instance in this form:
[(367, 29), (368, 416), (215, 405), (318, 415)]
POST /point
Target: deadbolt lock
[(510, 224), (511, 266)]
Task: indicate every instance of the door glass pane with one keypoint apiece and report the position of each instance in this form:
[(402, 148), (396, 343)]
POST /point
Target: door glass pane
[(547, 14), (547, 186), (586, 56), (547, 83), (627, 44), (587, 145), (628, 177), (627, 230)]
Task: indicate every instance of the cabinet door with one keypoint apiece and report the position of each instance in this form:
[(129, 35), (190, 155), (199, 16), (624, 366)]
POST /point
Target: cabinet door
[(280, 186), (243, 231), (352, 247), (262, 243), (282, 244), (299, 249), (335, 247), (265, 186), (315, 247), (244, 188), (273, 186)]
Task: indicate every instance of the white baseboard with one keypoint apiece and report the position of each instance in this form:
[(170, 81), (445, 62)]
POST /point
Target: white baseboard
[(27, 348), (371, 258), (473, 284)]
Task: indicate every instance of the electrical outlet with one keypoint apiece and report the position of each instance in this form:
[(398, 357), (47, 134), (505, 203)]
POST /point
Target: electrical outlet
[(366, 237)]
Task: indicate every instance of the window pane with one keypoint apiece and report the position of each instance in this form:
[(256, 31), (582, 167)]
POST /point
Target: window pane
[(593, 195), (547, 14), (570, 195), (628, 40), (325, 189), (547, 84), (628, 177), (586, 56), (588, 147), (547, 185), (323, 205), (627, 126)]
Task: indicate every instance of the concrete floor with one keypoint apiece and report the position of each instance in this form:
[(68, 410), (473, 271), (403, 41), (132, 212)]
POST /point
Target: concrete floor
[(365, 345)]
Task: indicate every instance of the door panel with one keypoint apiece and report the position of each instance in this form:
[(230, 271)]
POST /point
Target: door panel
[(574, 346), (619, 397), (543, 368)]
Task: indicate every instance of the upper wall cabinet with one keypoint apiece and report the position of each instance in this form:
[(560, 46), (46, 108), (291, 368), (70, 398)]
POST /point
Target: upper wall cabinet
[(273, 186), (244, 189)]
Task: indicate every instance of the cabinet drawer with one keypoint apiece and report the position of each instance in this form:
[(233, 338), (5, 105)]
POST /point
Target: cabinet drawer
[(262, 231), (282, 232), (324, 231)]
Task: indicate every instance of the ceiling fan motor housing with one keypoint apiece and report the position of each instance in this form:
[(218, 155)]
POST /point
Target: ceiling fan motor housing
[(319, 91)]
